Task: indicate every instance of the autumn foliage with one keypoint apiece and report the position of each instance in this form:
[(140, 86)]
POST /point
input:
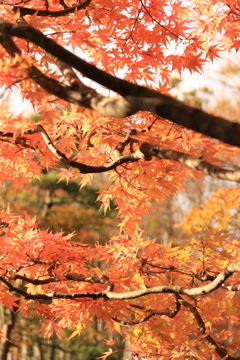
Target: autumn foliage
[(97, 75)]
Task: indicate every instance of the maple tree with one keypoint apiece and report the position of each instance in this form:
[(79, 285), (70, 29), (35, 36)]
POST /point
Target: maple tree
[(170, 298)]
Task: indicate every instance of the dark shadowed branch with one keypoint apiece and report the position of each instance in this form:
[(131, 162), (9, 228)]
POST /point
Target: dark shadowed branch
[(171, 313), (145, 152), (68, 10), (220, 350), (134, 97)]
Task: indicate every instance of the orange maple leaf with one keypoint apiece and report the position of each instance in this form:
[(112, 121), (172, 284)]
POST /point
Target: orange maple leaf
[(64, 174), (213, 52), (194, 62)]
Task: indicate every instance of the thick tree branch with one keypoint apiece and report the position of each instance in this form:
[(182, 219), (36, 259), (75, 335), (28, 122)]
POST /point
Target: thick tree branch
[(17, 290), (111, 295), (69, 10), (85, 96), (136, 97), (102, 279), (65, 69), (194, 163), (146, 152), (233, 288)]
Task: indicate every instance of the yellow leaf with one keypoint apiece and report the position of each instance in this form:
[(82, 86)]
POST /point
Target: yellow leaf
[(78, 330)]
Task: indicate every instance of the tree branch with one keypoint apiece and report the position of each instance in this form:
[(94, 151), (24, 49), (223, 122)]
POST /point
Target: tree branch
[(194, 163), (168, 312), (85, 96), (69, 10), (65, 69), (220, 350), (145, 152), (102, 279), (135, 97), (111, 295)]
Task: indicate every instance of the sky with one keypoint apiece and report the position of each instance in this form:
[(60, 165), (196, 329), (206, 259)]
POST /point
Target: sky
[(211, 78)]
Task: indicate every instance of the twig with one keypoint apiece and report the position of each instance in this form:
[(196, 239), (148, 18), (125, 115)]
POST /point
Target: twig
[(220, 350)]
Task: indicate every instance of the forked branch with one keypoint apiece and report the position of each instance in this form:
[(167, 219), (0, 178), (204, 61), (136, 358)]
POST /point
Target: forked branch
[(220, 350), (145, 152), (171, 313)]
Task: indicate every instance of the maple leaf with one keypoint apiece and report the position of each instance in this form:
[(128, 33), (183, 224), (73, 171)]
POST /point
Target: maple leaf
[(235, 45), (30, 223), (4, 337), (51, 327), (64, 174), (213, 52), (194, 62), (9, 301), (106, 354), (109, 342), (37, 21), (163, 88), (78, 330)]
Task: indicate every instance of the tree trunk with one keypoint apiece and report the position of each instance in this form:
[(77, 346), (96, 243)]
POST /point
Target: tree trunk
[(7, 331), (127, 354)]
